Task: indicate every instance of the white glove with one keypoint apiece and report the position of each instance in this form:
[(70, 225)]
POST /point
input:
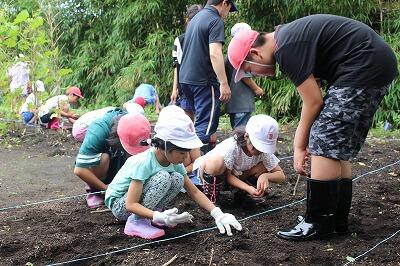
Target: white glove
[(224, 221), (171, 217)]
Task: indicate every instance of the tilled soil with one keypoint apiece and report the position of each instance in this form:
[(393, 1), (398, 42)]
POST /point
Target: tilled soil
[(39, 166)]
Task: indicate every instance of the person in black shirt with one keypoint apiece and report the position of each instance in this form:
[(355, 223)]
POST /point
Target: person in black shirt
[(358, 67)]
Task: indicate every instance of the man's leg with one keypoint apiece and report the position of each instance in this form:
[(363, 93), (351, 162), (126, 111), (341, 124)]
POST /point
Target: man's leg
[(207, 111)]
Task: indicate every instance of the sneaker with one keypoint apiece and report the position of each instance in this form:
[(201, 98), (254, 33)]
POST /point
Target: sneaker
[(142, 228)]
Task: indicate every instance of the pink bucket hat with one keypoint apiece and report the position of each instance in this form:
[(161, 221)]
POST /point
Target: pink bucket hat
[(132, 129), (239, 48)]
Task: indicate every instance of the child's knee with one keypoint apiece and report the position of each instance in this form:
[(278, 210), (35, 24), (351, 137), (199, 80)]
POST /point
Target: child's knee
[(214, 164), (162, 178), (177, 180)]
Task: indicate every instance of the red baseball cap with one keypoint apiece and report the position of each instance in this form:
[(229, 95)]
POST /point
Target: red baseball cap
[(239, 48), (132, 129), (141, 101), (76, 91)]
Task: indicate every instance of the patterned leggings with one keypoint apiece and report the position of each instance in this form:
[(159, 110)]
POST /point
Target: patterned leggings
[(158, 191)]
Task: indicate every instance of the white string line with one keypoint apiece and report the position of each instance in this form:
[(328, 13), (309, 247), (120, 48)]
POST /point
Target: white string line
[(374, 171), (173, 238), (366, 252), (202, 230), (47, 201), (69, 197)]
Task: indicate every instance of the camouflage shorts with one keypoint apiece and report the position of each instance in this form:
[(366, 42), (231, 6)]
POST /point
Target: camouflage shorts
[(340, 129)]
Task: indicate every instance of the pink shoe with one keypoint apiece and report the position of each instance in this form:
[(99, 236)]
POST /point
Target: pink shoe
[(94, 200), (142, 228)]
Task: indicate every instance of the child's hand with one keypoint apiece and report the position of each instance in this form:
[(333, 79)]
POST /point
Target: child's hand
[(263, 184), (171, 217), (254, 192), (224, 221)]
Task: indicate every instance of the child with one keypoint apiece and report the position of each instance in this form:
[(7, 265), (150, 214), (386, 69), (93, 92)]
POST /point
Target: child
[(105, 147), (241, 104), (62, 104), (28, 110), (149, 94), (249, 153), (18, 76), (193, 154), (82, 123), (149, 181), (359, 66)]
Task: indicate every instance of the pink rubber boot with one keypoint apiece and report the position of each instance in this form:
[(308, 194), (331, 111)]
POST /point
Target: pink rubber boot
[(142, 228), (94, 200)]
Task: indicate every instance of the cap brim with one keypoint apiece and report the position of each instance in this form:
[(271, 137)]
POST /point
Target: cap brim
[(188, 144), (240, 74), (80, 96), (132, 150), (261, 146)]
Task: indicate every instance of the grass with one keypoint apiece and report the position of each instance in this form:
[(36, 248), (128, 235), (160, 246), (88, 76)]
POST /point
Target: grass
[(380, 133)]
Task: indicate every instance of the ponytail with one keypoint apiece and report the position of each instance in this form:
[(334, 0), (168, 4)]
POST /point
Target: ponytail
[(161, 144)]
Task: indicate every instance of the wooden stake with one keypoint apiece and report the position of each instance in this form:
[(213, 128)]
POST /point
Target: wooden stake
[(211, 257), (100, 211), (295, 186), (171, 260)]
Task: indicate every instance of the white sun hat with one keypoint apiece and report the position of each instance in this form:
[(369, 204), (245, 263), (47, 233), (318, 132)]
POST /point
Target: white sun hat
[(177, 128), (263, 133), (134, 108), (239, 27), (170, 110)]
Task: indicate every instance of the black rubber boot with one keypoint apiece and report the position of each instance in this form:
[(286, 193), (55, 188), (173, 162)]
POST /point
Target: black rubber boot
[(319, 221), (345, 194)]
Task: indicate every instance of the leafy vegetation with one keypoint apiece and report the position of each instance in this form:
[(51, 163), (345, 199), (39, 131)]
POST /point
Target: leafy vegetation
[(108, 47)]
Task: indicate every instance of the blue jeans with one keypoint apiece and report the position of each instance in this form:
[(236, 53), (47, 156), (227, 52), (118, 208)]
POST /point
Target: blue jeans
[(239, 119)]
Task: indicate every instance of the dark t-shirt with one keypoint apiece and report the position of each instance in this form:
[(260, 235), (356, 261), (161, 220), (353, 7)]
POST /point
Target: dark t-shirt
[(205, 28), (242, 97), (342, 51)]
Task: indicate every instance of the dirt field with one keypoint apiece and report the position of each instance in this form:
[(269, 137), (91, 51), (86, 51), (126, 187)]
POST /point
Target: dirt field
[(39, 167)]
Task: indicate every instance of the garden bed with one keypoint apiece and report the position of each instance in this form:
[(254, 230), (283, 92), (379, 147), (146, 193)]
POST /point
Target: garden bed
[(40, 166)]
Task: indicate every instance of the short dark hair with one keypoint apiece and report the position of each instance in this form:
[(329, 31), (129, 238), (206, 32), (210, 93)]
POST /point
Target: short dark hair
[(260, 41)]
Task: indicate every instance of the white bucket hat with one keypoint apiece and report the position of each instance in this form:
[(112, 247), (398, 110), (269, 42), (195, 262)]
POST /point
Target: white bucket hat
[(134, 108), (239, 27), (263, 133), (177, 128), (170, 110)]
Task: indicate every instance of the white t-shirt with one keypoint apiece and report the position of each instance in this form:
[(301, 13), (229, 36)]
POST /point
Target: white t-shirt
[(88, 118), (30, 100), (19, 74), (236, 160), (53, 103)]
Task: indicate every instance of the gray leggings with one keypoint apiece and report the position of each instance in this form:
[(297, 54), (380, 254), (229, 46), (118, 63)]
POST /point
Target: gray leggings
[(158, 191)]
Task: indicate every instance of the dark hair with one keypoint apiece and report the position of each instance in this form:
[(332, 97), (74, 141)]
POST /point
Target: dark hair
[(260, 41), (161, 144), (238, 134), (113, 138), (192, 11)]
